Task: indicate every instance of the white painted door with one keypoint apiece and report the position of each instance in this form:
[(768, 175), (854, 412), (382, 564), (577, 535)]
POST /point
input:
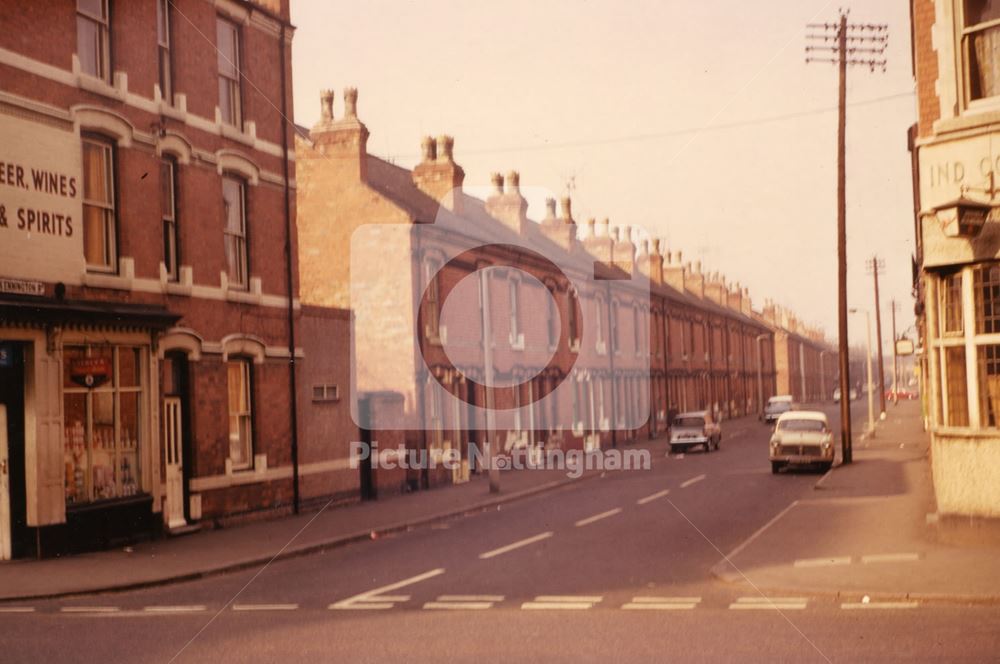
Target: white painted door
[(172, 439), (4, 488)]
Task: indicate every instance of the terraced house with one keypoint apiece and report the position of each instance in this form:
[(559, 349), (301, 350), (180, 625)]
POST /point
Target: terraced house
[(146, 282)]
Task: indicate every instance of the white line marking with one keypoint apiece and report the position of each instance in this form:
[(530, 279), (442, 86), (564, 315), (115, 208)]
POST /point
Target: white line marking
[(17, 609), (470, 598), (556, 605), (760, 531), (775, 606), (591, 599), (686, 483), (756, 599), (652, 497), (371, 600), (475, 606), (879, 605), (265, 607), (89, 609), (890, 558), (515, 545), (822, 562), (659, 606), (668, 600), (597, 517), (174, 609)]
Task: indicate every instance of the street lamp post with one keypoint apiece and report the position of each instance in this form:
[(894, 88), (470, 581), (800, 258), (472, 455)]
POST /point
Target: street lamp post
[(871, 396)]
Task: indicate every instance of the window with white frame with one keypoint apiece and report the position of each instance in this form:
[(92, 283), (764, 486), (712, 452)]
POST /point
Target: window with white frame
[(553, 319), (98, 204), (514, 312), (432, 299), (92, 40), (168, 204), (240, 388), (163, 49), (613, 325), (235, 232), (228, 47), (573, 303), (980, 30)]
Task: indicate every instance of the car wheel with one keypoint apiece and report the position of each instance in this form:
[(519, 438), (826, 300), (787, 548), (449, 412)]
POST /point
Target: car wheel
[(708, 446), (718, 442), (775, 467), (825, 466)]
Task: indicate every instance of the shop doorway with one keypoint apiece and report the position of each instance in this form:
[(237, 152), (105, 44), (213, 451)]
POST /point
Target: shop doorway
[(15, 537)]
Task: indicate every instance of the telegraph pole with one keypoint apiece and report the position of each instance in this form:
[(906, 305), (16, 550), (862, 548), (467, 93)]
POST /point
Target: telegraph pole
[(875, 266), (833, 39), (895, 359)]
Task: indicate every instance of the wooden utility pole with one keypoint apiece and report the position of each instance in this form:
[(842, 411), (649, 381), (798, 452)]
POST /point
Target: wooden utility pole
[(864, 39), (875, 266)]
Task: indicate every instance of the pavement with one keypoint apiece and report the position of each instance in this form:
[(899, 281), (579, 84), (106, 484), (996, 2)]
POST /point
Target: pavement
[(870, 528)]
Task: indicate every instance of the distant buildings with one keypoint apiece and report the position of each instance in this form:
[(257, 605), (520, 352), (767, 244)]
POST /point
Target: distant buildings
[(956, 171)]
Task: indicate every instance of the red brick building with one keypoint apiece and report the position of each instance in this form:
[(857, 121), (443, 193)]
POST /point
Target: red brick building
[(584, 368), (147, 292)]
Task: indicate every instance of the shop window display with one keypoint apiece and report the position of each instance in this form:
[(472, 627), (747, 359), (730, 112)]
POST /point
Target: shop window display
[(103, 416)]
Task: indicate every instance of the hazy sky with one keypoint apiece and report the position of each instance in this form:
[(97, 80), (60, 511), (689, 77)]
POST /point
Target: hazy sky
[(618, 95)]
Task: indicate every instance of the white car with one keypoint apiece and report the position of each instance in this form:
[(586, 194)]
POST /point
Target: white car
[(776, 406), (801, 437), (697, 428)]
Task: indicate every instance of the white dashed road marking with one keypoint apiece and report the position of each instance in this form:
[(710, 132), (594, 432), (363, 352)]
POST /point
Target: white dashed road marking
[(89, 609), (650, 498), (686, 483), (17, 609), (662, 603), (597, 517), (879, 605), (265, 607), (890, 558), (516, 545), (769, 603), (823, 562), (563, 602), (374, 600), (174, 609), (464, 602)]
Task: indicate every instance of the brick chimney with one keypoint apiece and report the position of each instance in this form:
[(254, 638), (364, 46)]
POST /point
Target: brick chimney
[(561, 230), (508, 205), (650, 261), (746, 304), (344, 141), (599, 242), (734, 297), (695, 280), (715, 288), (623, 251), (673, 270), (438, 175)]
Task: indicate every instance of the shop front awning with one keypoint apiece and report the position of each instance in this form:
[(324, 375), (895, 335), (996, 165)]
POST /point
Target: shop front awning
[(41, 311)]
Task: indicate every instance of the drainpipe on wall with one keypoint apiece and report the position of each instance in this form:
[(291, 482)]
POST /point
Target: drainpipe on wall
[(289, 274)]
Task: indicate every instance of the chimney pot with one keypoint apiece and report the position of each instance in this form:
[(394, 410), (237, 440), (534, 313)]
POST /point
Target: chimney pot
[(513, 182), (550, 208), (326, 104), (567, 209), (350, 102), (429, 148), (680, 257), (445, 145), (656, 245), (669, 257), (497, 180)]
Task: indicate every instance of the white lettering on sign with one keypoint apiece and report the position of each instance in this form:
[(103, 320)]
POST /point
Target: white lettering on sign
[(21, 287), (41, 203)]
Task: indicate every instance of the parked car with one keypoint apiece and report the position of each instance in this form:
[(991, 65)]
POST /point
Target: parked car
[(697, 428), (801, 437), (776, 406), (853, 395)]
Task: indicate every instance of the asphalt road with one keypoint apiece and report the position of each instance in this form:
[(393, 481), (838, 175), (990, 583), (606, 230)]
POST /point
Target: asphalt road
[(610, 569)]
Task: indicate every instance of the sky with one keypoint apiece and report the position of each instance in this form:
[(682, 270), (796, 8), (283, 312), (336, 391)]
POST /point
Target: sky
[(699, 122)]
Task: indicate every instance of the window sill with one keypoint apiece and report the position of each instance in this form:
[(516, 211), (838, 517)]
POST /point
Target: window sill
[(980, 114)]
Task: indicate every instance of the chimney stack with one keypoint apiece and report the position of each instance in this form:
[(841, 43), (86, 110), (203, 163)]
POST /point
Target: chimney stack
[(508, 205), (344, 140), (438, 175), (561, 230)]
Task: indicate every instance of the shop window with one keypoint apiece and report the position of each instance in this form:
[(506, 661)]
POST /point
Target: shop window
[(988, 360), (986, 287), (981, 48), (956, 387), (234, 203), (168, 204), (103, 397), (239, 381), (92, 40), (951, 304), (98, 205), (228, 47), (163, 49)]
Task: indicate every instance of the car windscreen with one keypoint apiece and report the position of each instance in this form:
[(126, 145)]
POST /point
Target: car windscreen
[(689, 422), (802, 425)]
